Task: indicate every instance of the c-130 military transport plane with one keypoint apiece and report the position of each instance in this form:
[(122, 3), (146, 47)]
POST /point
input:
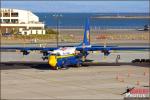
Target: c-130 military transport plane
[(60, 57)]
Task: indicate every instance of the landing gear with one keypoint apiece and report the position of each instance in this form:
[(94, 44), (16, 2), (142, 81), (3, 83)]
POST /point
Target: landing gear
[(65, 67), (117, 58), (78, 64), (44, 58), (56, 68), (60, 68), (83, 58)]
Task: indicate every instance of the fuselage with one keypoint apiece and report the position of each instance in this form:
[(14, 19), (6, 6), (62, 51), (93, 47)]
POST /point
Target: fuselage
[(64, 57)]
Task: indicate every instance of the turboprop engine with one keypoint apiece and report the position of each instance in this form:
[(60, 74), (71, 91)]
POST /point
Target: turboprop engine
[(25, 52), (106, 52)]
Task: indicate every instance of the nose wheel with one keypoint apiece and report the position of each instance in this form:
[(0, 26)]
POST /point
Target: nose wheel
[(56, 68)]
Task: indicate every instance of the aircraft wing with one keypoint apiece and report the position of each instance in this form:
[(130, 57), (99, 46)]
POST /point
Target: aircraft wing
[(111, 48), (93, 48), (106, 50), (29, 48)]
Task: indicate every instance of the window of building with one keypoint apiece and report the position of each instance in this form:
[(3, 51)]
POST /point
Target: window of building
[(35, 28), (25, 33), (6, 20), (14, 20), (14, 14), (6, 15)]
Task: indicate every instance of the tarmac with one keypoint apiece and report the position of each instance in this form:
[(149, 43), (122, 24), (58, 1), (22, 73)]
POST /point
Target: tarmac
[(28, 77)]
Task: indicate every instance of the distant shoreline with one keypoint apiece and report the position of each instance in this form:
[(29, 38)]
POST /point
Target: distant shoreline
[(102, 20), (124, 17)]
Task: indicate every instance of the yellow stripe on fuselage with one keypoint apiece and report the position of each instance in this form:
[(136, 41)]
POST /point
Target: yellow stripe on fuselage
[(65, 56)]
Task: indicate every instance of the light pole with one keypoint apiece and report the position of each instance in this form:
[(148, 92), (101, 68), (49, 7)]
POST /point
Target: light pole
[(57, 16)]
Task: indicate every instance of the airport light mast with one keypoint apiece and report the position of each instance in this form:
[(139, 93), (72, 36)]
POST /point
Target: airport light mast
[(57, 16)]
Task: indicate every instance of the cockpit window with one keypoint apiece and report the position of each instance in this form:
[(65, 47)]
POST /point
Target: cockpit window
[(55, 54), (58, 54)]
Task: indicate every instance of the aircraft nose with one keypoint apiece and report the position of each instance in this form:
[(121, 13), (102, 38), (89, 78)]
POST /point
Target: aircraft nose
[(52, 61)]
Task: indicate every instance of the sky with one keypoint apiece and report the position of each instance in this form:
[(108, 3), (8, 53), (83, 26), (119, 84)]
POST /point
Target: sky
[(110, 6)]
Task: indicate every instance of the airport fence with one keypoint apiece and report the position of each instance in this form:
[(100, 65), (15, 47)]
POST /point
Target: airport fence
[(95, 27), (98, 33)]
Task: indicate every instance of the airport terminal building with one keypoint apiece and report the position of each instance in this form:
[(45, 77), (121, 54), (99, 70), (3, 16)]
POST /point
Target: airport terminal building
[(20, 22)]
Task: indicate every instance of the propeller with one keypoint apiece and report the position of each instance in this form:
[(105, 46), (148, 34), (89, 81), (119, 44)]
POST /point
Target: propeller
[(106, 52), (44, 58), (45, 54), (25, 52)]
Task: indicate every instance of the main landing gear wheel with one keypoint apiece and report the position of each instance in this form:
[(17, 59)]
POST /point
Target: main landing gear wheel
[(60, 68), (55, 68), (78, 65), (64, 67)]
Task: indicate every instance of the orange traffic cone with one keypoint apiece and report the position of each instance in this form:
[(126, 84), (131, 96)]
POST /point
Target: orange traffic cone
[(144, 73), (117, 77), (122, 80), (138, 83), (128, 74)]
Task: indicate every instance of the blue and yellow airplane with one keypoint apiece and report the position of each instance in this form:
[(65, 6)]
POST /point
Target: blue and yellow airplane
[(60, 57)]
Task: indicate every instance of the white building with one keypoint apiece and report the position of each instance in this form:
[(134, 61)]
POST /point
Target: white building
[(20, 21)]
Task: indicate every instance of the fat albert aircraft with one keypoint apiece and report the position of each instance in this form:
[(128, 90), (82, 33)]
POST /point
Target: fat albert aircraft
[(60, 57)]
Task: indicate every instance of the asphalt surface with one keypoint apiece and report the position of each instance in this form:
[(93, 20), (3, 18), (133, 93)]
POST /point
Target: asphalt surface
[(37, 81)]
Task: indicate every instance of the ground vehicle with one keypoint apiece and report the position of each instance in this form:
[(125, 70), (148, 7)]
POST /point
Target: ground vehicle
[(6, 34)]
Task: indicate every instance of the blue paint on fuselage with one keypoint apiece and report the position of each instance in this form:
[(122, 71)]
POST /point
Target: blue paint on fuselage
[(69, 61)]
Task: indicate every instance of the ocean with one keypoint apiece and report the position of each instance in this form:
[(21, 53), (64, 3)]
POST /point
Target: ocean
[(77, 20)]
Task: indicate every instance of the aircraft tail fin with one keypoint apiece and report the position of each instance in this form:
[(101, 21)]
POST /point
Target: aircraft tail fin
[(86, 38)]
